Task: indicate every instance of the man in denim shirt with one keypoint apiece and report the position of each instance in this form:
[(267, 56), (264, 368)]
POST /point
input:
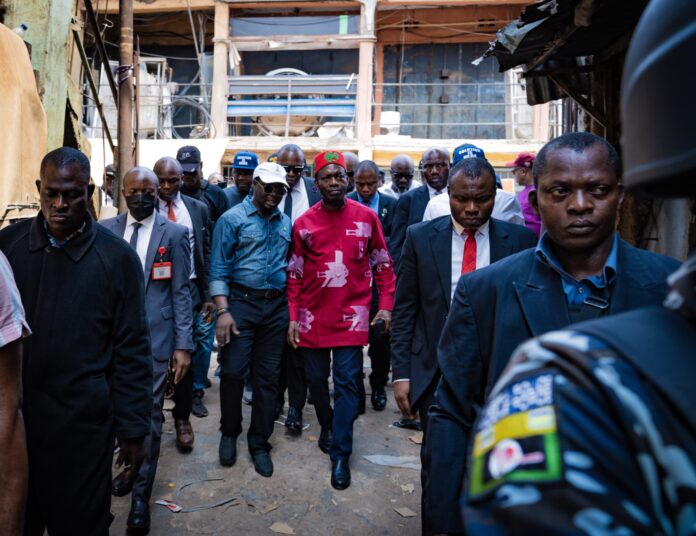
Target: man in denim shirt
[(247, 282)]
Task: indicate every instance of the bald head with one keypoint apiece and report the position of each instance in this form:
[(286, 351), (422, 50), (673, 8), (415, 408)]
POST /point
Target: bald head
[(167, 163), (169, 174), (435, 167), (352, 161), (141, 176), (401, 173)]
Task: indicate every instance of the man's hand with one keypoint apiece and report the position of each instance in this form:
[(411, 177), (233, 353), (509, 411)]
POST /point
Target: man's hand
[(207, 312), (385, 315), (132, 452), (225, 327), (181, 361), (401, 392), (293, 334)]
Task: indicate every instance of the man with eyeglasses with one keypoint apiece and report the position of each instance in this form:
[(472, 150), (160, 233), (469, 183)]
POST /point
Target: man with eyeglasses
[(435, 166), (247, 281), (338, 246), (402, 180), (302, 195), (352, 161)]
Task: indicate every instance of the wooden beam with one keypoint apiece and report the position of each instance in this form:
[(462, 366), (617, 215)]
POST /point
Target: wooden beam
[(379, 88), (160, 6), (218, 106), (297, 42), (363, 114), (582, 101)]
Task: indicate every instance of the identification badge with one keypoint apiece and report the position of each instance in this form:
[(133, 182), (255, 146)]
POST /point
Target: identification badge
[(161, 270)]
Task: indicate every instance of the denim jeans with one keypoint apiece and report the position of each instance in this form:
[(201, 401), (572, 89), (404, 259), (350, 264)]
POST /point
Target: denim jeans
[(347, 365), (203, 335)]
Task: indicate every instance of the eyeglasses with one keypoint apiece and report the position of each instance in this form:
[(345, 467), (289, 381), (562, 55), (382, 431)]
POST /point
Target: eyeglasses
[(350, 174), (399, 175), (276, 189), (297, 169)]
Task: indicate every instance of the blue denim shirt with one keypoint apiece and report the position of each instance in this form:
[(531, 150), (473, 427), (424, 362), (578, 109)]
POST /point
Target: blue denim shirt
[(249, 250), (576, 291), (372, 204)]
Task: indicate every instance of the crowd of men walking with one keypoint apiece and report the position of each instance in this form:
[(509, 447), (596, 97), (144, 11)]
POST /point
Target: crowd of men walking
[(293, 276)]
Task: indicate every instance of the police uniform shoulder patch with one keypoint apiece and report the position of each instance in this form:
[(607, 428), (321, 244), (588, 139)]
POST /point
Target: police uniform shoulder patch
[(516, 437)]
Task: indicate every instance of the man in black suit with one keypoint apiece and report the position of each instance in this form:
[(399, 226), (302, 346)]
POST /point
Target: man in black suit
[(193, 215), (165, 255), (435, 167), (366, 192), (87, 368), (435, 255), (580, 269), (302, 195)]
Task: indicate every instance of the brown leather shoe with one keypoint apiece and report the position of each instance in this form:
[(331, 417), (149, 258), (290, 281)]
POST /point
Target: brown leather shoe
[(184, 435)]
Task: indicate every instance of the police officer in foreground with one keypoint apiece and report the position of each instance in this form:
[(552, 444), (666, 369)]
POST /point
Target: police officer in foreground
[(591, 430)]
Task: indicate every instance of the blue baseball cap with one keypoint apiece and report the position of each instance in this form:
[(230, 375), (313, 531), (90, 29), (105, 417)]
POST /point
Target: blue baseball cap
[(467, 150), (245, 160)]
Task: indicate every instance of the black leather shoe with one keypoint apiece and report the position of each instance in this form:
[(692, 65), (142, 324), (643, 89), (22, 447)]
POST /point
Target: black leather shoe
[(325, 440), (123, 483), (340, 474), (293, 421), (139, 516), (228, 450), (379, 399), (361, 405), (198, 407), (263, 463)]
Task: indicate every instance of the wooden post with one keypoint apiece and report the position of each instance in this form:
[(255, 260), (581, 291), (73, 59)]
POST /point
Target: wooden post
[(218, 106), (125, 100), (379, 89), (363, 105)]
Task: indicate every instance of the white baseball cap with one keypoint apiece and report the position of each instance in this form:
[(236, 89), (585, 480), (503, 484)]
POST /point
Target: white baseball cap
[(270, 172)]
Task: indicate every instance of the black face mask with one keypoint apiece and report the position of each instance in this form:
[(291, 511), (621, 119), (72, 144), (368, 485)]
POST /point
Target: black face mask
[(140, 206)]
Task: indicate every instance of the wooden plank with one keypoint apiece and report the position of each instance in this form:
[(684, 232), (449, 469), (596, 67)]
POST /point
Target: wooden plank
[(218, 107), (160, 6)]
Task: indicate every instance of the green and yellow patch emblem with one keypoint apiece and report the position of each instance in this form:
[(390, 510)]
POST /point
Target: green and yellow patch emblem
[(516, 438)]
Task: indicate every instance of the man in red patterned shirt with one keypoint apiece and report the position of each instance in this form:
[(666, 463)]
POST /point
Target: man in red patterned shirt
[(337, 248)]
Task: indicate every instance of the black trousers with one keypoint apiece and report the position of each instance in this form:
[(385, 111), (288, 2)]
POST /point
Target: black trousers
[(379, 352), (183, 391), (263, 324), (292, 378), (70, 483)]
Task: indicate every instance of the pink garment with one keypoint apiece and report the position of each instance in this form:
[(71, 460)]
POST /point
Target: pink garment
[(531, 218), (334, 255)]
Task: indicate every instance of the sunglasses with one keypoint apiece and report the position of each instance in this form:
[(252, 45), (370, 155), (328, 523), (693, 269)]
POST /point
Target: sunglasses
[(350, 174), (297, 169), (277, 189), (398, 175)]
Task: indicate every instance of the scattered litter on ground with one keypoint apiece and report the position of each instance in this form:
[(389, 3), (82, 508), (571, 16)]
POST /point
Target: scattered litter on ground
[(400, 462), (417, 438), (409, 424), (282, 423), (169, 504), (171, 485), (334, 502), (408, 488), (269, 508), (282, 528), (177, 508), (312, 438), (404, 511)]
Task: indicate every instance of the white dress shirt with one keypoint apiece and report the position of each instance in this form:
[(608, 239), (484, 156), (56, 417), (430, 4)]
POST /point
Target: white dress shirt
[(483, 255), (432, 192), (388, 190), (182, 218), (483, 250), (300, 200), (506, 208), (144, 235)]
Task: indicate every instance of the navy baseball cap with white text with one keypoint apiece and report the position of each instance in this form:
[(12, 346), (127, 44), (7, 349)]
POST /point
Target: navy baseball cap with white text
[(467, 150), (189, 157), (245, 160)]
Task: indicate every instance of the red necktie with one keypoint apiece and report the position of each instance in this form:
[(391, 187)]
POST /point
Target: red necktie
[(170, 211), (469, 259)]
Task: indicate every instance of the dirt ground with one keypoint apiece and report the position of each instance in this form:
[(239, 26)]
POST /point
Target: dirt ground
[(298, 498)]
